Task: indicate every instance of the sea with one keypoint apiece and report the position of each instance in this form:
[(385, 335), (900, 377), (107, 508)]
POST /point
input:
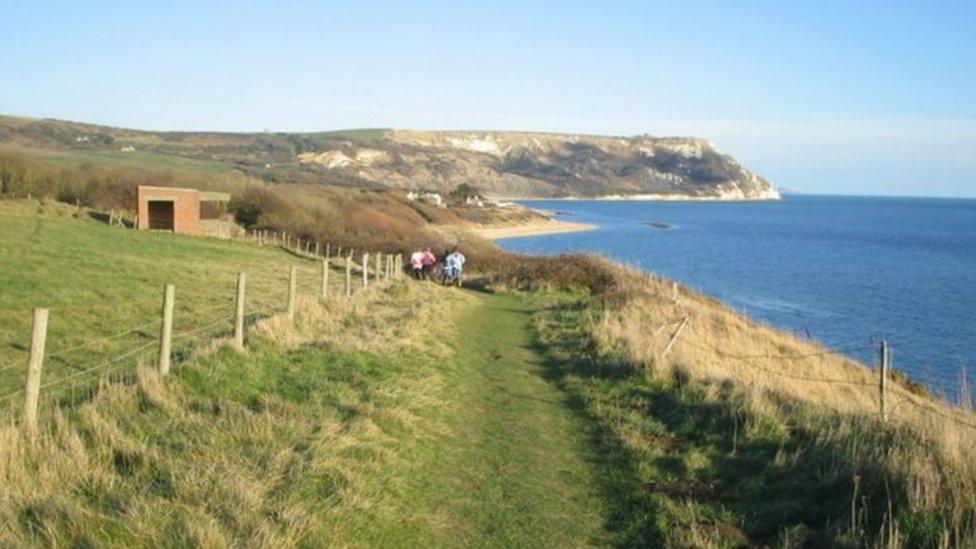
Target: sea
[(846, 271)]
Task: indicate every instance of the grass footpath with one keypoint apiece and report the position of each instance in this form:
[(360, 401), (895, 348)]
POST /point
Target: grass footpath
[(511, 471)]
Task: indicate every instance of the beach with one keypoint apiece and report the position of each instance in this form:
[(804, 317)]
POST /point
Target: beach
[(532, 228)]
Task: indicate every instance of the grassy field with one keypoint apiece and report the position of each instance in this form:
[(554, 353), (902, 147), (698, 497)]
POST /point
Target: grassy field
[(104, 285), (117, 159), (358, 426)]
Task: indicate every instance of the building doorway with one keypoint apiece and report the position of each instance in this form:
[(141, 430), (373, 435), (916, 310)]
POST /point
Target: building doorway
[(161, 215)]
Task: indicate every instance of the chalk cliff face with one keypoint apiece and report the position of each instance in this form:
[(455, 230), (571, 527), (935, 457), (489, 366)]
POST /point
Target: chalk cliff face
[(506, 164), (546, 165)]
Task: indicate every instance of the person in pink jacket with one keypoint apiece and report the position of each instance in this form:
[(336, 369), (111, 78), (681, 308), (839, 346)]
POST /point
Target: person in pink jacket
[(417, 264), (427, 261)]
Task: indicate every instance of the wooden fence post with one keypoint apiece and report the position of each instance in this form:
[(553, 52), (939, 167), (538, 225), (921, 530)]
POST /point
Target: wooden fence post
[(674, 337), (32, 390), (292, 291), (365, 270), (379, 265), (316, 248), (325, 278), (348, 275), (328, 252), (239, 311), (885, 358), (166, 331)]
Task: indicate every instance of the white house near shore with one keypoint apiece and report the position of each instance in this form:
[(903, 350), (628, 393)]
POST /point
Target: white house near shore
[(427, 196)]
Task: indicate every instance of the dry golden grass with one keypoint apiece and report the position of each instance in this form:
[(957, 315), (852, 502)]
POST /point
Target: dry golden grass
[(374, 319), (927, 444)]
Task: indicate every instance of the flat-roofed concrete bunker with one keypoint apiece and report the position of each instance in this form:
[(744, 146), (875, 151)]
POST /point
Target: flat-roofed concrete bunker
[(182, 210)]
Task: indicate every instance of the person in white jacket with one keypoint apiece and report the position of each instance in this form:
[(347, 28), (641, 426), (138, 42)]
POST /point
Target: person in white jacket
[(454, 267)]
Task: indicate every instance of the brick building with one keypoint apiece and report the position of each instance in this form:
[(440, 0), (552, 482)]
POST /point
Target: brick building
[(180, 210)]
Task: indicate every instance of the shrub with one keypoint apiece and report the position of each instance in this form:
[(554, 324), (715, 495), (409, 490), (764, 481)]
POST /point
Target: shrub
[(562, 272)]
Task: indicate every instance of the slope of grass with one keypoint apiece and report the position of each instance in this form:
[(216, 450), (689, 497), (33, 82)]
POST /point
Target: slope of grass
[(695, 468), (742, 432), (284, 445), (423, 433), (100, 281), (146, 160)]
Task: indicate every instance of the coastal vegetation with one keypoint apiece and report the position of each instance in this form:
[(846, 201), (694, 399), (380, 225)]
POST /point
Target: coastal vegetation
[(543, 409)]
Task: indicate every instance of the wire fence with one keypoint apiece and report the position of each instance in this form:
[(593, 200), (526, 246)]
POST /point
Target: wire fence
[(890, 403), (72, 373)]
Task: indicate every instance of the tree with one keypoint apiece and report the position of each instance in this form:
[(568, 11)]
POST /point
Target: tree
[(465, 191)]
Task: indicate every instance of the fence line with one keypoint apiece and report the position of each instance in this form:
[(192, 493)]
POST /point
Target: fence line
[(884, 374), (62, 354), (787, 374), (266, 298)]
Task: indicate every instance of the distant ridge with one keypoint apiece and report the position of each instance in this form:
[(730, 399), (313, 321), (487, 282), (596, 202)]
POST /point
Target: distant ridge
[(512, 164)]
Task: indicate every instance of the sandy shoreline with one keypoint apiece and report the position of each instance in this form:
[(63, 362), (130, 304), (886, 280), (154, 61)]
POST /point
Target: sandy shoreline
[(644, 198), (534, 228)]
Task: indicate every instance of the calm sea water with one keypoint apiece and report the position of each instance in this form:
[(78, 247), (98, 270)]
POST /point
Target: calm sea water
[(847, 271)]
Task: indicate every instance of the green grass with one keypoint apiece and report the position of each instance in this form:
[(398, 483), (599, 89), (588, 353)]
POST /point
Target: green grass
[(99, 281), (512, 469), (364, 136), (135, 159), (455, 441)]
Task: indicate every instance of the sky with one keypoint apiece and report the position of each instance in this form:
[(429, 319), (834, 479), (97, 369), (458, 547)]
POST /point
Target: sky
[(820, 97)]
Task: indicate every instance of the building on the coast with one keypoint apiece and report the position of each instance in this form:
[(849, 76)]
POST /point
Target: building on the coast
[(183, 211), (427, 196)]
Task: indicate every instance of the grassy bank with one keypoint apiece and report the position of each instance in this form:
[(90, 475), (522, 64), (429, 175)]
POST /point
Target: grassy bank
[(357, 425), (737, 432), (104, 288)]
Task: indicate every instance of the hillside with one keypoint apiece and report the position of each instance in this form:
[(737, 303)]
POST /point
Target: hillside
[(507, 164)]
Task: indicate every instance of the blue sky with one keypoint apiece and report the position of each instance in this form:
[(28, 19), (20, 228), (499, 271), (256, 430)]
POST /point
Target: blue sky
[(852, 97)]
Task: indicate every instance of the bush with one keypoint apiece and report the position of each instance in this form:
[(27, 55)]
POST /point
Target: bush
[(464, 191), (563, 272)]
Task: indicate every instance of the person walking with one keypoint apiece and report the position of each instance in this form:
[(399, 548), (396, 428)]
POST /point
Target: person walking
[(417, 264), (454, 267), (427, 261)]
